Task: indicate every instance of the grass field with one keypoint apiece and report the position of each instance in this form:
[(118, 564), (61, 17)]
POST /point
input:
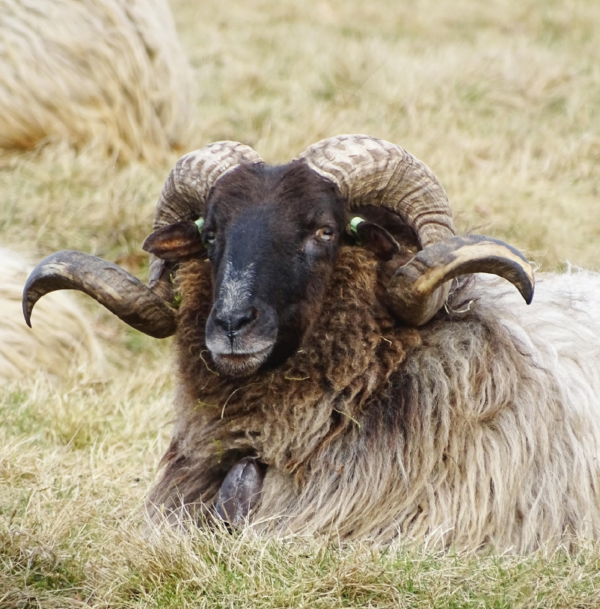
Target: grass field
[(500, 98)]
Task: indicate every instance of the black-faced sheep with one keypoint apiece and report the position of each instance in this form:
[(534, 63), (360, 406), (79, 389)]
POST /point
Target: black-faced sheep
[(341, 368), (107, 72)]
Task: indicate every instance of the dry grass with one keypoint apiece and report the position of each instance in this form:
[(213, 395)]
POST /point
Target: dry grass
[(501, 99)]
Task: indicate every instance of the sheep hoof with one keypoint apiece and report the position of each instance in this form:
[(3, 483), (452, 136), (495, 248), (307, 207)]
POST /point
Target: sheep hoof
[(240, 491)]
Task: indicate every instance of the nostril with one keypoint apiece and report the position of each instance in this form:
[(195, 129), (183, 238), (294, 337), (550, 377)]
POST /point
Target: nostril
[(244, 318), (232, 323)]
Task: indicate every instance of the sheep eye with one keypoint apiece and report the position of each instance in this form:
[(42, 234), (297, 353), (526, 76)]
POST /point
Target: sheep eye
[(325, 234), (209, 237)]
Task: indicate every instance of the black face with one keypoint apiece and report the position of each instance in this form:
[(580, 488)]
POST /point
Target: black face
[(272, 235)]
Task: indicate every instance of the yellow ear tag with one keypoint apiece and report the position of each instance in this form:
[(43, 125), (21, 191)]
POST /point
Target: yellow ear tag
[(200, 223)]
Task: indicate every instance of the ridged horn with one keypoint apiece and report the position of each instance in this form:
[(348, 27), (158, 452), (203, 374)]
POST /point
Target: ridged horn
[(414, 294), (109, 284), (370, 171), (184, 194)]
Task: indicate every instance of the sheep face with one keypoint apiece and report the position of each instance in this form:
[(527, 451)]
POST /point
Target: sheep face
[(272, 235)]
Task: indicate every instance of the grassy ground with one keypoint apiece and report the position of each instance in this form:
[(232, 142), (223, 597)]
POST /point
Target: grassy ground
[(501, 99)]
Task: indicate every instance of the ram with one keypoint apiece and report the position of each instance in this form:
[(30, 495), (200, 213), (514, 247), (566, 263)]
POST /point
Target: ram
[(107, 73), (348, 363)]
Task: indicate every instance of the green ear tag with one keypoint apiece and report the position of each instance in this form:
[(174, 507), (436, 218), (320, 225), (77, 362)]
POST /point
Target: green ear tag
[(200, 223), (354, 225)]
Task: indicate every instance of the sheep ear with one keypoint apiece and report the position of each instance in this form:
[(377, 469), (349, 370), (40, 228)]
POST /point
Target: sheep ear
[(175, 242), (378, 240)]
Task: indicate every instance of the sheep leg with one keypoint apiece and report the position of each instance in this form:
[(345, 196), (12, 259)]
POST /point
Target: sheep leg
[(240, 491)]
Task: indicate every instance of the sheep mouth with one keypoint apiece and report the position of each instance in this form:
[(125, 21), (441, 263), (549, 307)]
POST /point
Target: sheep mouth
[(241, 364)]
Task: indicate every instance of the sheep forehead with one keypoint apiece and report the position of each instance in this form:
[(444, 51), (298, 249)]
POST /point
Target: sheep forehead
[(293, 190)]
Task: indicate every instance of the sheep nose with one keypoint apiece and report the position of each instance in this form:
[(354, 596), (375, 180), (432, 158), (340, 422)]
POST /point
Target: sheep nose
[(232, 323)]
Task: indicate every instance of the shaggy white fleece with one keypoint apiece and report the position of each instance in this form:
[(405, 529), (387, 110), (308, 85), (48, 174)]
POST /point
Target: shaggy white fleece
[(107, 72)]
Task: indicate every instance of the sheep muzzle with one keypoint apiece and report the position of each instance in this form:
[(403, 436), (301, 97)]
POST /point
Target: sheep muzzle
[(240, 333)]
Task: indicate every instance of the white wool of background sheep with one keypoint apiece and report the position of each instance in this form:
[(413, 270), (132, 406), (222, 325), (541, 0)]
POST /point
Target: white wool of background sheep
[(61, 341), (110, 73)]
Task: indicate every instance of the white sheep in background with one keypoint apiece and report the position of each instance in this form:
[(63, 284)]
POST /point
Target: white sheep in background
[(65, 342), (107, 72)]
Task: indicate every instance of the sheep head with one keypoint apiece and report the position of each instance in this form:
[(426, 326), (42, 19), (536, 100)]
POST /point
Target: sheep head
[(272, 235)]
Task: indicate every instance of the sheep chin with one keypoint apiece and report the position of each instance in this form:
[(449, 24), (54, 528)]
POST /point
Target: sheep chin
[(240, 364)]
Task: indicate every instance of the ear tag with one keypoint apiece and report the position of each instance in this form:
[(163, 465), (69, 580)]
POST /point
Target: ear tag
[(199, 223), (353, 228)]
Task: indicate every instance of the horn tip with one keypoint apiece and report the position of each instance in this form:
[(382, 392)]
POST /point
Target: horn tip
[(527, 286), (528, 296), (27, 311)]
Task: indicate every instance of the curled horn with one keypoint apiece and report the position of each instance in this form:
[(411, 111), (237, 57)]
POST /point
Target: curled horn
[(370, 171), (144, 308), (414, 290), (184, 194), (113, 287)]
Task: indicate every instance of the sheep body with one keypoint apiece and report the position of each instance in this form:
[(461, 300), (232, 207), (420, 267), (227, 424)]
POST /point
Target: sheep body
[(107, 72), (480, 429), (61, 342)]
